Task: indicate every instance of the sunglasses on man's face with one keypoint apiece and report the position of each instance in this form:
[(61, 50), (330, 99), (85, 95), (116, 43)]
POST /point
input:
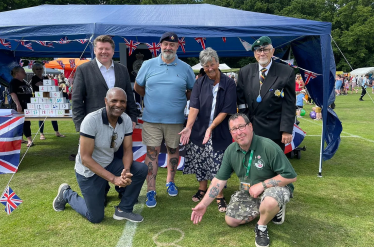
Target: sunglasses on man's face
[(113, 143)]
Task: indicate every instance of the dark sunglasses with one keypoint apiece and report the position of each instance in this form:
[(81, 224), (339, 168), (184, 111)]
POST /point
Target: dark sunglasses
[(113, 143)]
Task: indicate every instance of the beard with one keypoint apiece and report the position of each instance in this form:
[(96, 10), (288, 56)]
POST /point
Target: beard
[(264, 61), (168, 56)]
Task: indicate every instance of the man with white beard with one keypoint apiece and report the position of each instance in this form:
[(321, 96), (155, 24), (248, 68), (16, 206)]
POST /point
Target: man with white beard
[(165, 82), (266, 94)]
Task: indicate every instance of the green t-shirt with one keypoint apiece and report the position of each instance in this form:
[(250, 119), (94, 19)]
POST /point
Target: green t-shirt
[(268, 161)]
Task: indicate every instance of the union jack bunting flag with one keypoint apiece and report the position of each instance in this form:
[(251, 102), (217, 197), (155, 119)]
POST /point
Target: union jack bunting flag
[(31, 63), (10, 200), (20, 63), (61, 64), (224, 39), (82, 41), (201, 40), (45, 61), (6, 44), (11, 129), (72, 63), (154, 48), (28, 46), (64, 41), (297, 137), (131, 45), (182, 43), (308, 76), (45, 43), (140, 151), (83, 58)]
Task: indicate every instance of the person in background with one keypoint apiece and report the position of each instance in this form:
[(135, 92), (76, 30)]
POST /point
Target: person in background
[(213, 100), (365, 84), (354, 85), (300, 98), (338, 85), (299, 83), (21, 94), (36, 81)]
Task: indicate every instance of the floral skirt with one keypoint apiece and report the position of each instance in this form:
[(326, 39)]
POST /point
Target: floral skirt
[(202, 161)]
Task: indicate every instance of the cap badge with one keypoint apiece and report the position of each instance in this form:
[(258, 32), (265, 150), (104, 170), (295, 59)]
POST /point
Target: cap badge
[(172, 37)]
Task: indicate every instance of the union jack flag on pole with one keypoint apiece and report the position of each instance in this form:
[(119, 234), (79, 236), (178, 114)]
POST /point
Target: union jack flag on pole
[(6, 44), (154, 48), (20, 63), (131, 45), (201, 40), (10, 200), (11, 129), (297, 137)]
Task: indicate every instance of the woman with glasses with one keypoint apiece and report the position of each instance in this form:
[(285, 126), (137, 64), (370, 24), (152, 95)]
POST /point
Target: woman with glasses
[(21, 94), (36, 81), (213, 99)]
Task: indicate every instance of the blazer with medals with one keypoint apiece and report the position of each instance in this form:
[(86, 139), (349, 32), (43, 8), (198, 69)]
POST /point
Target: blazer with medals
[(276, 112), (90, 88)]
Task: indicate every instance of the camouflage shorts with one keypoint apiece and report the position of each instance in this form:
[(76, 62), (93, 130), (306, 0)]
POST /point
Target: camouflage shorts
[(242, 206)]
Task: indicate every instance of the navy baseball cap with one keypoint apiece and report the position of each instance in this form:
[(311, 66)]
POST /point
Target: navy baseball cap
[(169, 36)]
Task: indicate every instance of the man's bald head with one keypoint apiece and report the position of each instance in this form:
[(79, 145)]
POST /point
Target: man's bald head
[(115, 90)]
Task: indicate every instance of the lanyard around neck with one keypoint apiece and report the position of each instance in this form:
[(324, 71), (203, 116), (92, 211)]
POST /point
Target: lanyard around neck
[(248, 167)]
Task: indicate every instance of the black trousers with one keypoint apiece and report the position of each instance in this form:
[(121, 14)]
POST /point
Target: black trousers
[(27, 128), (280, 144), (363, 92)]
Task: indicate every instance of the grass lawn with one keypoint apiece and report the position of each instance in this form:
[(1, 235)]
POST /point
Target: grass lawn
[(335, 210)]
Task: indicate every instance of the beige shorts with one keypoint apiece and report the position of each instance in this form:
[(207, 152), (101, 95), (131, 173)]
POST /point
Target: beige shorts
[(153, 133)]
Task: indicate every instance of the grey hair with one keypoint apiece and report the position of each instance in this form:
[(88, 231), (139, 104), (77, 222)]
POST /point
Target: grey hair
[(37, 65), (207, 55), (236, 116), (112, 90)]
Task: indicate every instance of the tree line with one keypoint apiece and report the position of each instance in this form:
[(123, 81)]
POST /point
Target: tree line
[(352, 21)]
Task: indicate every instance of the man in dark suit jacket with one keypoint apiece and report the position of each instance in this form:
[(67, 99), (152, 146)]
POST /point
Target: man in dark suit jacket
[(93, 79), (268, 102)]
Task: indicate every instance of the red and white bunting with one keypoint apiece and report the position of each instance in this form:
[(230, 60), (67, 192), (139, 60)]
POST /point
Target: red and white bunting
[(45, 61), (224, 39), (82, 58), (6, 44), (131, 45), (182, 43), (154, 48), (28, 46), (308, 76), (64, 41), (45, 43), (72, 63), (20, 63), (61, 64), (31, 63), (201, 40), (82, 41)]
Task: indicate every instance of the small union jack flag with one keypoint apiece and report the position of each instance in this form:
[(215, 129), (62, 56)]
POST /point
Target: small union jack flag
[(224, 39), (83, 58), (45, 43), (31, 63), (201, 40), (182, 43), (82, 41), (6, 44), (45, 61), (28, 46), (20, 63), (154, 48), (10, 200), (308, 76), (11, 129), (131, 45), (64, 41), (61, 64), (72, 63)]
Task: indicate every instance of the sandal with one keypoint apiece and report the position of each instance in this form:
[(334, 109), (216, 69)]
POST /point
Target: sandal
[(42, 137), (24, 141), (222, 206), (59, 135), (30, 145), (199, 195)]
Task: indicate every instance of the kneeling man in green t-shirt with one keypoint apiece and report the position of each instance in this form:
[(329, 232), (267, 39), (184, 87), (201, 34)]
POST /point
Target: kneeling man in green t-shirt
[(265, 175)]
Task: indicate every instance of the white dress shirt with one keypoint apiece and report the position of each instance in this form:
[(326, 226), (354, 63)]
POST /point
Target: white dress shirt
[(108, 74)]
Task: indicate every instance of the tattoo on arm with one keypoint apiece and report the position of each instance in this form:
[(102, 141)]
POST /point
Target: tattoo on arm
[(152, 153), (273, 182), (213, 192), (172, 150), (174, 164)]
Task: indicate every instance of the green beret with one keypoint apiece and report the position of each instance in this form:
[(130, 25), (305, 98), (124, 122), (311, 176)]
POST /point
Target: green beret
[(263, 41)]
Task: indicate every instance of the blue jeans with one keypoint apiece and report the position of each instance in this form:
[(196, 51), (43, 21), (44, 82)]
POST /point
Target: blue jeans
[(95, 188)]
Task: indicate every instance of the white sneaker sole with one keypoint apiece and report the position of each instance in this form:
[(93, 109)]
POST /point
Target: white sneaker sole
[(124, 218), (283, 216), (151, 206)]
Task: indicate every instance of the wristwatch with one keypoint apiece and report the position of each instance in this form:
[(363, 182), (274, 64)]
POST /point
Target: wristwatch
[(264, 185)]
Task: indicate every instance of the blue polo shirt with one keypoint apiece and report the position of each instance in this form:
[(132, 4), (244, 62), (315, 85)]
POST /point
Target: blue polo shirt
[(201, 99), (165, 89)]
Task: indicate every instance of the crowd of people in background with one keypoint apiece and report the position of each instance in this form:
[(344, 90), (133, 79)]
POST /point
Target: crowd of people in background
[(346, 84)]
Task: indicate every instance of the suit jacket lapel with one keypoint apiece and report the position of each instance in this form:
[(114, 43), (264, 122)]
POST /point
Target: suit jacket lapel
[(97, 73)]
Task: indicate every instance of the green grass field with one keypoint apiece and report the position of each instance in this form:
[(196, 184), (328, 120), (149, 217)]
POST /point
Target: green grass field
[(335, 210)]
